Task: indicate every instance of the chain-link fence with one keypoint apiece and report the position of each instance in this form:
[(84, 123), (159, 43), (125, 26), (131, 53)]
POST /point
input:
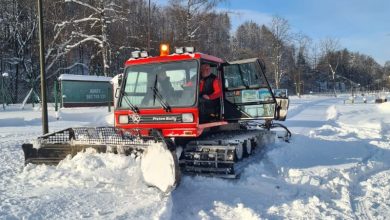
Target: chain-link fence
[(14, 91)]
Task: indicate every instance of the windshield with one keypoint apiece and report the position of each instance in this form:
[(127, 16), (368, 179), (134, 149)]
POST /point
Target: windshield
[(175, 82)]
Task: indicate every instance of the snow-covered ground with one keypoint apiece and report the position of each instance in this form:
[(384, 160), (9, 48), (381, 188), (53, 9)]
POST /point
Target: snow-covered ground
[(337, 166)]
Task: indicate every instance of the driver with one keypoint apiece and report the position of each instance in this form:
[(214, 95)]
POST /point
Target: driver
[(164, 87), (209, 94)]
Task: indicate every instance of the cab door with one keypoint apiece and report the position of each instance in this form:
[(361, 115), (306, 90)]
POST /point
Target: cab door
[(247, 92)]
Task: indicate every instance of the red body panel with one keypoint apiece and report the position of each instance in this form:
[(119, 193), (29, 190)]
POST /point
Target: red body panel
[(181, 129)]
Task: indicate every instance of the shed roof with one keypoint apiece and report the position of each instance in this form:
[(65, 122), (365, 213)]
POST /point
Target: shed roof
[(71, 77)]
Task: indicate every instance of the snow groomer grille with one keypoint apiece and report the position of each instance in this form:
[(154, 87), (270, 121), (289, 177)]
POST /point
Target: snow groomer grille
[(54, 147), (98, 135)]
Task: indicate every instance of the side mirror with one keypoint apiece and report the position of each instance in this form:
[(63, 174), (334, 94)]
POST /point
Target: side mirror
[(282, 105), (120, 78), (280, 93)]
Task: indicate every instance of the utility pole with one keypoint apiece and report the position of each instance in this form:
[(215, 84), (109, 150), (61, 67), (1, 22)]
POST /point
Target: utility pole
[(3, 90), (149, 27), (45, 126)]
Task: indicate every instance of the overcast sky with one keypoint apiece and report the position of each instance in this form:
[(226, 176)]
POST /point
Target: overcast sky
[(360, 25)]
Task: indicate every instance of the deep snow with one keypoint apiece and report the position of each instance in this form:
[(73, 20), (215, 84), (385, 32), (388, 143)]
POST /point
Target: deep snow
[(336, 166)]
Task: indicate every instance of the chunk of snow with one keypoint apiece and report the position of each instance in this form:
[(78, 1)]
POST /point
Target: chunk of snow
[(36, 144), (331, 113), (158, 167)]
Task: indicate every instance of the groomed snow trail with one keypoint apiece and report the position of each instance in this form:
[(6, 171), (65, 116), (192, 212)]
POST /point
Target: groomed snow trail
[(336, 167)]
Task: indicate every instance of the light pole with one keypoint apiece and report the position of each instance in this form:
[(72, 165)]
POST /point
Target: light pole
[(352, 83), (149, 27), (299, 88), (4, 75), (45, 126)]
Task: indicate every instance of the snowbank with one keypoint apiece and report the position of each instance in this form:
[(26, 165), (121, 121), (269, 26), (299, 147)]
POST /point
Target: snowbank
[(115, 179)]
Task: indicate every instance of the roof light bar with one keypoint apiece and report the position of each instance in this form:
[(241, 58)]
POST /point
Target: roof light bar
[(135, 54), (179, 50), (144, 54), (189, 49)]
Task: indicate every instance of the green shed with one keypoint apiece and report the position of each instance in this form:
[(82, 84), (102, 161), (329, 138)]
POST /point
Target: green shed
[(84, 90)]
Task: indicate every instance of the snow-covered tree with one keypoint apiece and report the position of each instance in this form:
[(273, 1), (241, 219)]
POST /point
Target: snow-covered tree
[(92, 26), (18, 25)]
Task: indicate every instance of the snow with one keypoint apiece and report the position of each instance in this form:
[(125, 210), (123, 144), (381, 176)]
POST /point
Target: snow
[(335, 167), (331, 113)]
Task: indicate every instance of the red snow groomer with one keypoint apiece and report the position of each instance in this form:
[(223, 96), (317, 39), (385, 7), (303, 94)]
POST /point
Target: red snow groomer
[(210, 126)]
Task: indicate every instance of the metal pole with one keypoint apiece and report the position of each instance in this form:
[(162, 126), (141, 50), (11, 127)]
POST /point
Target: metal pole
[(149, 28), (45, 126), (56, 95), (2, 91), (108, 99)]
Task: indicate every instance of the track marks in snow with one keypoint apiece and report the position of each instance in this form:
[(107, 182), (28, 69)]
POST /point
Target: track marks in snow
[(375, 196), (334, 161), (224, 211)]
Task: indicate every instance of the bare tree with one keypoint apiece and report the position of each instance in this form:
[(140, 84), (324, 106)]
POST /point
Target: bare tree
[(303, 42), (280, 28), (248, 39), (189, 16), (328, 48), (314, 55)]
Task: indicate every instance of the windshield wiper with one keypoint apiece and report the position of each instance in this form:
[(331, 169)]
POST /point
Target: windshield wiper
[(133, 107), (163, 103), (157, 94)]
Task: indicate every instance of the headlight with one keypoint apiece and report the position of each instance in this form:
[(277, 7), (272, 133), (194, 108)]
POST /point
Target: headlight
[(188, 117), (123, 119)]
